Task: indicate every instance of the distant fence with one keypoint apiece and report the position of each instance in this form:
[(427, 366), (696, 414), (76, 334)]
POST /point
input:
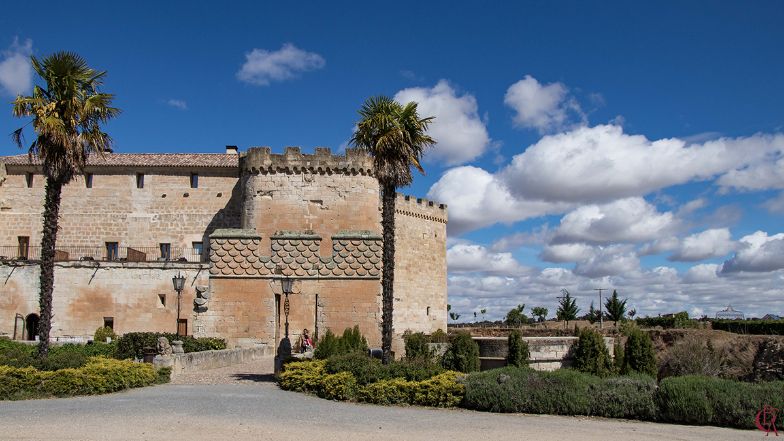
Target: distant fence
[(118, 254)]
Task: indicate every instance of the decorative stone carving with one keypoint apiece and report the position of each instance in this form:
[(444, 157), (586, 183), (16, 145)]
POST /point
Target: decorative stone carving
[(355, 254), (177, 347), (202, 298), (164, 348)]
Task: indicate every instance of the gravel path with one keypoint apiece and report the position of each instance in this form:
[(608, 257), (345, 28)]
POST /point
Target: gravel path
[(242, 403), (253, 372)]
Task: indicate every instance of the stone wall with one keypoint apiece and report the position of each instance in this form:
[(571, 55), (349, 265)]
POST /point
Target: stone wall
[(420, 267), (546, 353), (200, 361), (166, 210), (87, 292)]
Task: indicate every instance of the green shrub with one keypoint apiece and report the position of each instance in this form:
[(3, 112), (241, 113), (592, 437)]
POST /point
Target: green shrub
[(439, 337), (443, 390), (706, 400), (619, 356), (364, 368), (16, 354), (631, 397), (639, 355), (591, 354), (351, 341), (518, 350), (163, 375), (98, 375), (512, 389), (417, 346), (341, 386), (302, 376), (327, 346), (132, 344), (101, 334), (463, 354), (392, 391), (679, 321), (413, 370)]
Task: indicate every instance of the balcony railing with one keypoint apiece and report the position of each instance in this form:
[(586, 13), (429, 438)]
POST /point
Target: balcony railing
[(103, 254)]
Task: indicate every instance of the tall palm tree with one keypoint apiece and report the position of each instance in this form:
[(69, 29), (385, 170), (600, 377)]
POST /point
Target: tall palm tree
[(395, 137), (67, 113)]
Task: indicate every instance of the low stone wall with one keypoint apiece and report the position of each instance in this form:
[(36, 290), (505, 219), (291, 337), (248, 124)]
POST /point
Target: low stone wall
[(200, 361), (547, 353)]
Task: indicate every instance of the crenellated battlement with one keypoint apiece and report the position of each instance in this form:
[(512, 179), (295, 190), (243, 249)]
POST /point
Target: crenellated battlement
[(292, 160), (421, 208)]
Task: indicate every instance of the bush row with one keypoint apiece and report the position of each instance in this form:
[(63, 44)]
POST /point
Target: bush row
[(685, 400), (99, 375), (759, 327), (368, 370), (16, 354), (352, 340), (132, 344), (442, 390), (680, 320)]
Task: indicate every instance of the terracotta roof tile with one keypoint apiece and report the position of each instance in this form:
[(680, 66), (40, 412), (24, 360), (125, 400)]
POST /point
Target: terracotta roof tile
[(145, 160)]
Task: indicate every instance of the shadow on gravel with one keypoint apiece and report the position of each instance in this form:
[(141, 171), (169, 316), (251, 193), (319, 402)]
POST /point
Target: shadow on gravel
[(258, 378)]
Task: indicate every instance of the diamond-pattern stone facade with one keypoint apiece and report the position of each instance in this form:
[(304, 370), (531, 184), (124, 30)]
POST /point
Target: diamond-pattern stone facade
[(236, 253)]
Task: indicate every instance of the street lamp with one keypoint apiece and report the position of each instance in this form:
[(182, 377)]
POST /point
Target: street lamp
[(286, 284), (179, 283)]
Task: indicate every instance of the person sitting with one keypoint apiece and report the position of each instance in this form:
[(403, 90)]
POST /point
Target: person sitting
[(307, 342)]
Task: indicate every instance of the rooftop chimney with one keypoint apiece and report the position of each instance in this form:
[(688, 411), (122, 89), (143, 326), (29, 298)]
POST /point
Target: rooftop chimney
[(231, 150)]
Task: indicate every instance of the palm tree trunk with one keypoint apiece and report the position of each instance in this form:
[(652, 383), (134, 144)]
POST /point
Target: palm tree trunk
[(54, 189), (388, 196)]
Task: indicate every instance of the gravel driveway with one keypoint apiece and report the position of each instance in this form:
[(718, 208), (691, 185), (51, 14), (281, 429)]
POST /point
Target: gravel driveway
[(254, 408)]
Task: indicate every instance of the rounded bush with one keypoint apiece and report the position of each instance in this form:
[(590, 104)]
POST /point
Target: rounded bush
[(463, 354)]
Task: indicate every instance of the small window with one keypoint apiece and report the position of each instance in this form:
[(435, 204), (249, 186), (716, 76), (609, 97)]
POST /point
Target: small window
[(112, 250), (194, 180), (88, 180), (162, 298), (108, 322), (139, 180), (24, 246), (197, 247), (166, 251), (29, 180)]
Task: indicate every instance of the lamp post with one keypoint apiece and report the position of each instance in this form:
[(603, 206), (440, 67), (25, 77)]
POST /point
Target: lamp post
[(286, 284), (179, 283)]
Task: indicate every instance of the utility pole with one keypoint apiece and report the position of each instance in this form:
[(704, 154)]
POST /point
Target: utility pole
[(601, 314)]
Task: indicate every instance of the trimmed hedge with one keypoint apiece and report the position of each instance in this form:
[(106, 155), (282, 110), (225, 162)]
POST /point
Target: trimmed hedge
[(16, 354), (561, 392), (442, 390), (132, 344), (368, 370), (757, 327), (695, 399), (99, 375)]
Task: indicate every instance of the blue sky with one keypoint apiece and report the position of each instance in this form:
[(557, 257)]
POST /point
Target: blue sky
[(628, 145)]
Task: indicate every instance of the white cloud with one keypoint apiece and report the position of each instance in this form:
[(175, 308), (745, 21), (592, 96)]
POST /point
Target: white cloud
[(624, 220), (761, 176), (458, 129), (601, 163), (703, 273), (716, 242), (669, 243), (477, 258), (544, 107), (16, 72), (757, 252), (609, 261), (178, 104), (566, 252), (262, 67), (477, 199)]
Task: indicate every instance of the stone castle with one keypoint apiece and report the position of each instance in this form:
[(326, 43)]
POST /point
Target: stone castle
[(235, 225)]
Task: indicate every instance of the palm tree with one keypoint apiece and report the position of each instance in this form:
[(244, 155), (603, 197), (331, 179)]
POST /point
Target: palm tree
[(395, 137), (67, 113)]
